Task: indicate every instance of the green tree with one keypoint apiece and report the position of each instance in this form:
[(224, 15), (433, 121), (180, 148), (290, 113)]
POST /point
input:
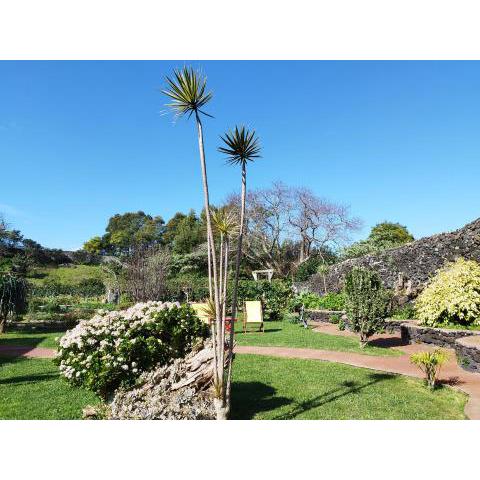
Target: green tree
[(125, 231), (382, 236), (95, 245), (188, 234), (366, 303), (389, 234)]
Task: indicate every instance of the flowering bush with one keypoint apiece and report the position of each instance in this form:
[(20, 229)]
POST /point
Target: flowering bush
[(452, 296), (114, 348)]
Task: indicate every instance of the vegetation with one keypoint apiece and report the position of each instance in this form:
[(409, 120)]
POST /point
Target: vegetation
[(113, 349), (31, 389), (430, 363), (290, 389), (13, 297), (366, 303), (127, 231), (382, 236), (405, 312), (240, 146), (287, 334), (452, 296), (31, 339), (330, 301), (263, 388)]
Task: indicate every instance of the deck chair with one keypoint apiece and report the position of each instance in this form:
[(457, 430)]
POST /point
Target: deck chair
[(253, 313), (200, 311)]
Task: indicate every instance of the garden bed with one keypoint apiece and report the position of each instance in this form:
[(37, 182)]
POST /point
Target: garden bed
[(42, 326)]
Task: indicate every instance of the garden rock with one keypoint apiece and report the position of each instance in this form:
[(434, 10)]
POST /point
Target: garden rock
[(178, 391), (406, 269)]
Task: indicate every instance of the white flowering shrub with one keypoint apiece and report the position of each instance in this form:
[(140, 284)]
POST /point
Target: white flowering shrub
[(452, 296), (114, 348)]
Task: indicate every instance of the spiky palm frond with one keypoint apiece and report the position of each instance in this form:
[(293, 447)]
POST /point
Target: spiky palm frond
[(225, 221), (187, 91), (209, 309), (241, 145)]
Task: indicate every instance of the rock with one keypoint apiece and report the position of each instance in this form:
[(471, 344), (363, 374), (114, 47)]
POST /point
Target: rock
[(178, 391), (406, 269)]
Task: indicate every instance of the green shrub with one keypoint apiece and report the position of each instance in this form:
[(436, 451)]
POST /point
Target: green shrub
[(13, 297), (405, 312), (275, 295), (430, 364), (366, 303), (114, 348), (335, 318), (312, 301), (452, 296)]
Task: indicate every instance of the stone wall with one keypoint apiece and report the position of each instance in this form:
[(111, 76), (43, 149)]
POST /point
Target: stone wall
[(443, 337), (408, 268)]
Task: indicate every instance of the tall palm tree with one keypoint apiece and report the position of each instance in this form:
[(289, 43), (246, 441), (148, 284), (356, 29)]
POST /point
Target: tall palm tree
[(241, 146), (187, 91)]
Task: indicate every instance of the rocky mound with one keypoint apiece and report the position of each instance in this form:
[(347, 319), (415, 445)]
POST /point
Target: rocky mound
[(179, 391)]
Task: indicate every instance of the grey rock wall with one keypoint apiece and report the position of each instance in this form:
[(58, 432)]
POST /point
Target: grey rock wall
[(407, 268)]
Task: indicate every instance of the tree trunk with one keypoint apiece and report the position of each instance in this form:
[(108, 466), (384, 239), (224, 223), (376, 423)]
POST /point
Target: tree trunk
[(3, 324), (235, 286), (217, 340)]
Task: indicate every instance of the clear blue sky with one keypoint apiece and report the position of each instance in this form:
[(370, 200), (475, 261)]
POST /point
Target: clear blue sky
[(81, 141)]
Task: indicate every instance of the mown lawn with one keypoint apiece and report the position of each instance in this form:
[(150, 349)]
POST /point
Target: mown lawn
[(287, 334), (264, 388), (31, 389), (281, 389), (39, 339)]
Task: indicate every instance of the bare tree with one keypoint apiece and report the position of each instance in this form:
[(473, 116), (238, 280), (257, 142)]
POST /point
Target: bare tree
[(318, 222), (145, 273), (285, 225)]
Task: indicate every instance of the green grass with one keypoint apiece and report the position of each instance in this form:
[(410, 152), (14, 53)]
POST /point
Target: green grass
[(280, 389), (31, 389), (286, 334), (65, 275), (263, 388), (39, 339)]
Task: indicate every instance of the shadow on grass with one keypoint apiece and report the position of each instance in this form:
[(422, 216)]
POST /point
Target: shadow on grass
[(42, 377), (345, 388), (27, 342), (250, 398)]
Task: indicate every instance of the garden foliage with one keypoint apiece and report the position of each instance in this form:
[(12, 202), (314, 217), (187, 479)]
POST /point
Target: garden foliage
[(452, 296), (114, 348), (366, 303), (430, 364), (312, 301)]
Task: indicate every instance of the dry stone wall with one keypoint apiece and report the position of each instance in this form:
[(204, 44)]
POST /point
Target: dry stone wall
[(407, 268)]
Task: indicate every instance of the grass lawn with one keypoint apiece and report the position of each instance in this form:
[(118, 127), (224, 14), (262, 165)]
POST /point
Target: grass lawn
[(39, 339), (65, 275), (264, 388), (32, 389), (281, 389), (287, 334)]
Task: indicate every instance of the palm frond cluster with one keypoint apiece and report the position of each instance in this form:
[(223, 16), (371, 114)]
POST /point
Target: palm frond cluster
[(241, 145), (187, 91)]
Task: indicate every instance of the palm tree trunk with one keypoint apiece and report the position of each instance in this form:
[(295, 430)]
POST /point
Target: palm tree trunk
[(235, 285), (218, 342)]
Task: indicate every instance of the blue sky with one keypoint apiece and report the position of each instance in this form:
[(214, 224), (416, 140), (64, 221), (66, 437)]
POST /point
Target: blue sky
[(81, 141)]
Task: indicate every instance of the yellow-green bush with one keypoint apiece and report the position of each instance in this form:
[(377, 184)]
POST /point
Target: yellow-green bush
[(452, 296)]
